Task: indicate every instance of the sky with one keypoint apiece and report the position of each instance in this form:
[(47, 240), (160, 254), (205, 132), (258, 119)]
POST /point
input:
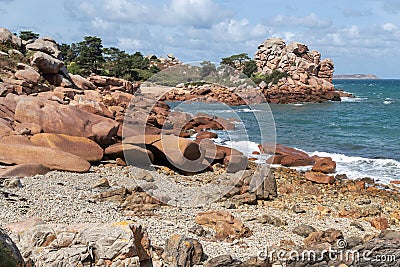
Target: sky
[(360, 36)]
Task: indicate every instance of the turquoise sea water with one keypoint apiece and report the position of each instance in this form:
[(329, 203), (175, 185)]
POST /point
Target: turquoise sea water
[(361, 134)]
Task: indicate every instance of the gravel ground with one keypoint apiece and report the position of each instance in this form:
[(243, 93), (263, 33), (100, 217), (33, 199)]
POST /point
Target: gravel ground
[(61, 197)]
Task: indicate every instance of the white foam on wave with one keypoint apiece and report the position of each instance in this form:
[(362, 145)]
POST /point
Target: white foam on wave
[(297, 104), (246, 147), (383, 170), (387, 102), (247, 110), (353, 99)]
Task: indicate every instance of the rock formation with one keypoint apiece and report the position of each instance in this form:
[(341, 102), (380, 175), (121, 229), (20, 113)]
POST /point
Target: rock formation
[(70, 121), (309, 80), (82, 244), (9, 253)]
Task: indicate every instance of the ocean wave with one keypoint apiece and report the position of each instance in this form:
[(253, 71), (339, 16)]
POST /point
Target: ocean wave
[(246, 147), (297, 104), (387, 102), (247, 110), (383, 170), (353, 99)]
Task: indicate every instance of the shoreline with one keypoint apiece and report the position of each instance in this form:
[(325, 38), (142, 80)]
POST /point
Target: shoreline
[(344, 206)]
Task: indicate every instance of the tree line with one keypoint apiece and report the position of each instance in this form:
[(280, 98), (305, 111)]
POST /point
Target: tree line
[(89, 56)]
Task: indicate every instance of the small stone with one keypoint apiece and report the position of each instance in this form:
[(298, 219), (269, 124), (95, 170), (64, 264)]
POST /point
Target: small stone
[(269, 219), (304, 230), (230, 205), (357, 225), (380, 223), (298, 209), (13, 183), (146, 176), (364, 202), (120, 162), (197, 230), (102, 183)]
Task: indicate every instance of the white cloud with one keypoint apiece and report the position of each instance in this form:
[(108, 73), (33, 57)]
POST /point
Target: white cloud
[(389, 27), (237, 30), (208, 30), (309, 21), (197, 13), (130, 44), (124, 10), (102, 24)]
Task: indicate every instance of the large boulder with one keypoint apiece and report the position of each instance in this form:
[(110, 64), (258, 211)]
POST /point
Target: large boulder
[(5, 127), (297, 160), (182, 251), (182, 153), (80, 146), (46, 63), (235, 163), (9, 253), (63, 119), (134, 155), (82, 83), (52, 158), (325, 165), (46, 45), (7, 107), (279, 149), (29, 75), (24, 170), (113, 244), (319, 178), (91, 106), (6, 37)]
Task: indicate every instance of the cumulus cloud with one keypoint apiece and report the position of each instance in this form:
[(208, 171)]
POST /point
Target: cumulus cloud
[(197, 13), (207, 30), (200, 26)]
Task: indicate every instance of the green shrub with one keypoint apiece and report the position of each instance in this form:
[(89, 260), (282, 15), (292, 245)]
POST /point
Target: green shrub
[(273, 78)]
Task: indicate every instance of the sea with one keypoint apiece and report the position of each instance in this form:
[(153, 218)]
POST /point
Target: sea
[(362, 134)]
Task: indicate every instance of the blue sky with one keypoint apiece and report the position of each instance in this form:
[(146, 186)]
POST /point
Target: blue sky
[(361, 36)]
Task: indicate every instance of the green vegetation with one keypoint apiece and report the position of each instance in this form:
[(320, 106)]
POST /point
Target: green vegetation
[(89, 56), (273, 78), (236, 61), (28, 35)]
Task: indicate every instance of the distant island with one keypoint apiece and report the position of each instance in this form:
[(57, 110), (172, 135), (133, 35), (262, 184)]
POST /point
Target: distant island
[(356, 76)]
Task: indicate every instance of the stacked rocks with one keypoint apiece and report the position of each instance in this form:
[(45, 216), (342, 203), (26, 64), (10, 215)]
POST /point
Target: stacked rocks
[(309, 80)]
